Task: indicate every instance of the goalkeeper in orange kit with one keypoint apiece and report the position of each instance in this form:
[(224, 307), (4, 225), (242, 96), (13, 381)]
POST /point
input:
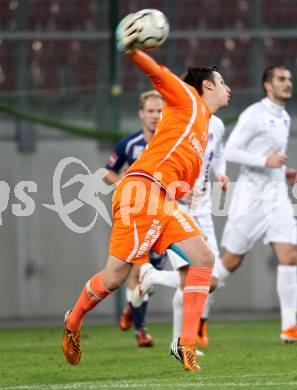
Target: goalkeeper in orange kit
[(145, 213)]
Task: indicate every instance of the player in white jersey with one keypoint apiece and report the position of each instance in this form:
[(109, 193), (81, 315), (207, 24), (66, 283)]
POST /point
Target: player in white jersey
[(260, 207), (199, 208)]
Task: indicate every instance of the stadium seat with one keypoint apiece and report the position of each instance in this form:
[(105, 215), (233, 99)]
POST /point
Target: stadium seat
[(214, 15), (279, 13), (8, 13), (274, 50), (50, 15), (44, 76), (187, 16), (84, 15), (292, 49), (60, 16), (4, 13), (81, 64), (235, 14), (38, 14), (61, 49), (8, 63), (43, 65), (129, 77)]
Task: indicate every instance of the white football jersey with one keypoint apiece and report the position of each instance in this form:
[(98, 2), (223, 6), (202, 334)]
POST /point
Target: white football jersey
[(213, 160), (261, 129)]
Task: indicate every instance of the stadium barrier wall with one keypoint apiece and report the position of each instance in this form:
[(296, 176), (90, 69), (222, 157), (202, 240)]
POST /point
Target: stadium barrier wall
[(44, 264)]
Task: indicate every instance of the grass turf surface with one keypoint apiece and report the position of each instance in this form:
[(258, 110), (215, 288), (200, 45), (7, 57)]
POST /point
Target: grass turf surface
[(242, 354)]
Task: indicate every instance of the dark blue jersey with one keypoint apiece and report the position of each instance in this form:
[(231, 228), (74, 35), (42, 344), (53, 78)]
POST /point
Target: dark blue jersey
[(127, 150)]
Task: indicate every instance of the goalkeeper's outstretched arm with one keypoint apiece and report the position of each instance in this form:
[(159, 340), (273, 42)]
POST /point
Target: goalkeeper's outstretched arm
[(148, 65)]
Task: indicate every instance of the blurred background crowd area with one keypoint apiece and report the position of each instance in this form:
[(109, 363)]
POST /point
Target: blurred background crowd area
[(57, 56)]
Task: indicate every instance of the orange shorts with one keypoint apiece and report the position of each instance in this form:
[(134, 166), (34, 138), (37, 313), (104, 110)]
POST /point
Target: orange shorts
[(145, 219)]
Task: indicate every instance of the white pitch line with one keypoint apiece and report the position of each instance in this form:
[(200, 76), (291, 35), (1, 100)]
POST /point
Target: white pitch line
[(152, 383), (248, 375), (125, 385)]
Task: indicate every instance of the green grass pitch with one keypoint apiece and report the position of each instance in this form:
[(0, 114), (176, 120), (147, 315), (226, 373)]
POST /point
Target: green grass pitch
[(241, 355)]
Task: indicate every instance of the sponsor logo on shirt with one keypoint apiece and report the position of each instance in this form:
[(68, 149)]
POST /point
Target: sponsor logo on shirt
[(113, 159), (272, 122), (196, 144)]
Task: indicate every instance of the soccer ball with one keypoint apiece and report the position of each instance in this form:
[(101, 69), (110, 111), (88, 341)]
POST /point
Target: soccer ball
[(152, 28)]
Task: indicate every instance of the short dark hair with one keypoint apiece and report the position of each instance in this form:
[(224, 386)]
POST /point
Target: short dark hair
[(269, 73), (194, 76)]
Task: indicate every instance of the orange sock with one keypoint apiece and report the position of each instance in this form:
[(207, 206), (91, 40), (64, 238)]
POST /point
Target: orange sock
[(93, 293), (195, 294)]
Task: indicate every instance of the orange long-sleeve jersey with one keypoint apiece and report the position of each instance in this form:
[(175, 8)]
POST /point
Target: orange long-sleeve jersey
[(174, 156)]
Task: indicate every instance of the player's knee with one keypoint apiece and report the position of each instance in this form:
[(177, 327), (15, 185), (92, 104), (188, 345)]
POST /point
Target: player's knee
[(208, 259), (211, 258), (113, 281), (113, 284)]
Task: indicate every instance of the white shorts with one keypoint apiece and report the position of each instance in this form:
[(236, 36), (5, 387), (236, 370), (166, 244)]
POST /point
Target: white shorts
[(276, 224), (205, 224)]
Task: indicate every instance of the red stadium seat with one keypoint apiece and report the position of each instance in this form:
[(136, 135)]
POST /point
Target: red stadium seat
[(44, 76), (235, 13), (38, 14), (4, 13), (129, 77), (189, 15), (7, 66), (43, 65), (8, 15), (84, 14), (279, 13), (60, 16), (214, 14), (50, 15), (82, 66), (274, 51)]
